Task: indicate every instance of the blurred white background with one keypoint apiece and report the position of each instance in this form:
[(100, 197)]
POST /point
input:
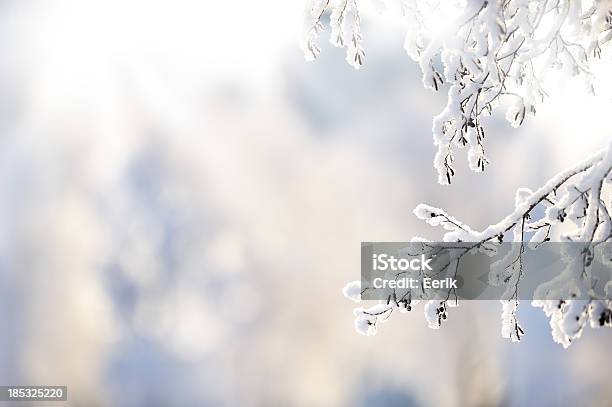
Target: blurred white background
[(183, 199)]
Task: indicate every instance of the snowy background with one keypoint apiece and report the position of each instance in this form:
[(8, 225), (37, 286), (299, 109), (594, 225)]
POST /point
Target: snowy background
[(183, 197)]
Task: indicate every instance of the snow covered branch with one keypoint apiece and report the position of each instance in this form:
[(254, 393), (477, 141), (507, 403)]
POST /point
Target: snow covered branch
[(574, 196), (485, 53), (579, 196), (345, 22), (488, 52)]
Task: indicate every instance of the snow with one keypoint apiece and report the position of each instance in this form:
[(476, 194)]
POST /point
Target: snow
[(481, 53), (352, 291)]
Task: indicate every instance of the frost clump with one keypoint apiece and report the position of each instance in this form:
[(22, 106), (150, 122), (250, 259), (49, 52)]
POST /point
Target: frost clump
[(352, 291)]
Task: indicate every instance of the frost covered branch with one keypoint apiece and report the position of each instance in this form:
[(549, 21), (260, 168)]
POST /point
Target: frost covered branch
[(485, 53), (345, 22), (579, 196), (488, 52)]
